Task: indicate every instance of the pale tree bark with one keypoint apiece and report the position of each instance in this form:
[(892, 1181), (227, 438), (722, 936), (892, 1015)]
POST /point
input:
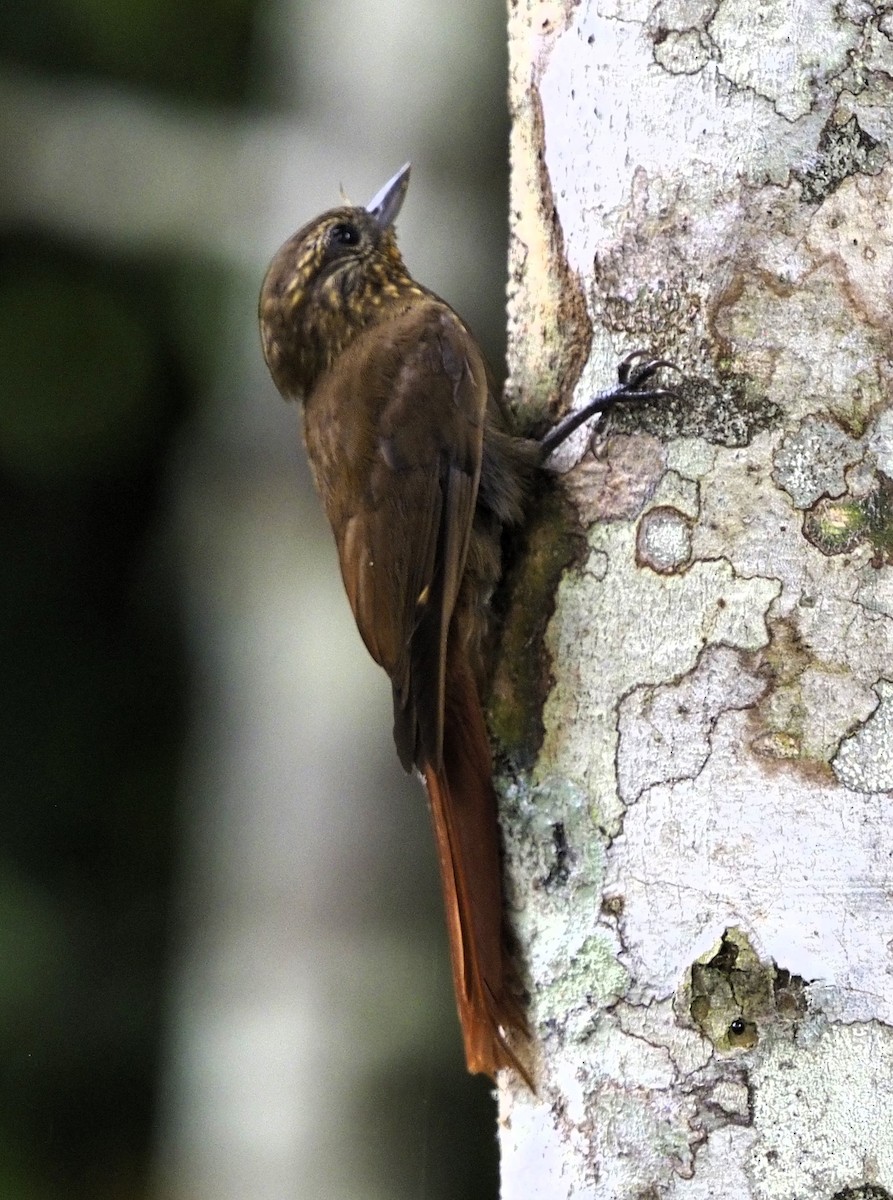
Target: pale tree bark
[(698, 835)]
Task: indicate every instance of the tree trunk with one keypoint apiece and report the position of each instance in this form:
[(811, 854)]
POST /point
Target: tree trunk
[(698, 827)]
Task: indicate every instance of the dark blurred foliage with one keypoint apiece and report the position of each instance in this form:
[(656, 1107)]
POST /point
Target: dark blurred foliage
[(93, 389), (191, 49), (428, 1132), (93, 706), (98, 372)]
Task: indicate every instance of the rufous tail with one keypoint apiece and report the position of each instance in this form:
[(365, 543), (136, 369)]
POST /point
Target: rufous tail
[(463, 808)]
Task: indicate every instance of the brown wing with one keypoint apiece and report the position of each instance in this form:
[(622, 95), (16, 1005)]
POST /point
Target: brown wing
[(403, 533), (395, 435)]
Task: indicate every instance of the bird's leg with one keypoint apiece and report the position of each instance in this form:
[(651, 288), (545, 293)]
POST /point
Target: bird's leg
[(635, 371)]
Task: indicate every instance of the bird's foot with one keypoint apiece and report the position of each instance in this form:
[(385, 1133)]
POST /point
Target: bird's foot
[(633, 373)]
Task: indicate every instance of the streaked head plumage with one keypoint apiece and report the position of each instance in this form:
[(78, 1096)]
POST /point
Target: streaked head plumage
[(328, 281)]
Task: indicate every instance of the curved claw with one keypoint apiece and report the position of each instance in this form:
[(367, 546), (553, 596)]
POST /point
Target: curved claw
[(632, 376), (625, 363)]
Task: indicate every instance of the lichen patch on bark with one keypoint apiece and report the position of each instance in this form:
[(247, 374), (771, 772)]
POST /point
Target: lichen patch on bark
[(864, 761), (662, 623), (663, 542), (664, 732), (811, 460), (823, 1108)]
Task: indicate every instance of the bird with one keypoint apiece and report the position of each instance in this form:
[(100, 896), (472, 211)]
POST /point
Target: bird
[(420, 472)]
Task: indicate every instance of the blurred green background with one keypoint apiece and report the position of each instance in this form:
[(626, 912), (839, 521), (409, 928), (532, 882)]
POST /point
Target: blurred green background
[(223, 971)]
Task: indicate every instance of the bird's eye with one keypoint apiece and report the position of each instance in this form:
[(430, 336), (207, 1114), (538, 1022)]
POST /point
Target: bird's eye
[(344, 235)]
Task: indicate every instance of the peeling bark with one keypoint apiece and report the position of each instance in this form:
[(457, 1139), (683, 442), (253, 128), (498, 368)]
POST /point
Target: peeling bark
[(699, 852)]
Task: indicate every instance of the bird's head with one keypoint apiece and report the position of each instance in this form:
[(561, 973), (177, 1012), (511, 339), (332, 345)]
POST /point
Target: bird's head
[(331, 279)]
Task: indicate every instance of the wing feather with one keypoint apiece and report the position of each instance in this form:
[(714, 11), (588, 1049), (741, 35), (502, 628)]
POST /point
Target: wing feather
[(403, 530)]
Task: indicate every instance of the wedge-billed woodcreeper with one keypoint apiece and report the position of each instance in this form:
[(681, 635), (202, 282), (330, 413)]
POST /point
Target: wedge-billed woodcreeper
[(419, 474)]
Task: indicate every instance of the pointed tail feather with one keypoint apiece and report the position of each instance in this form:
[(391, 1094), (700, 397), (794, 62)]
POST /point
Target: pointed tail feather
[(463, 808)]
